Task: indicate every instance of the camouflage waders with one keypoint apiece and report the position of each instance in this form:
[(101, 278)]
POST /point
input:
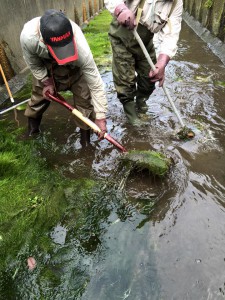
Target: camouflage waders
[(130, 68)]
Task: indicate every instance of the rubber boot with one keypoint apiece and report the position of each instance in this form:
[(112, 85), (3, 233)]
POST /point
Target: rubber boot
[(85, 137), (34, 125), (141, 104), (131, 114)]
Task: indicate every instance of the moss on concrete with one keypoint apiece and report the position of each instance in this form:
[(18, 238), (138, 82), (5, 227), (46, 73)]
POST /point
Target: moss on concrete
[(217, 16), (210, 14), (156, 163), (25, 92), (198, 5)]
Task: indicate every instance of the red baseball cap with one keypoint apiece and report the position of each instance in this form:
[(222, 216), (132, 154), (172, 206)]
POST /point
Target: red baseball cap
[(57, 34)]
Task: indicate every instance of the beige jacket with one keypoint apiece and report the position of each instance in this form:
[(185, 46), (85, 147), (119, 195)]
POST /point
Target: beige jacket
[(156, 18), (34, 50)]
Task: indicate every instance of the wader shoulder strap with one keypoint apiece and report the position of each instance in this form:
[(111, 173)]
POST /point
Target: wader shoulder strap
[(172, 7), (139, 11), (141, 5)]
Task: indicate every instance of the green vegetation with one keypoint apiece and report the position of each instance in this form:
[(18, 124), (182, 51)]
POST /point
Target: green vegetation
[(25, 92), (220, 83), (31, 194), (35, 196), (155, 162), (96, 34), (208, 3)]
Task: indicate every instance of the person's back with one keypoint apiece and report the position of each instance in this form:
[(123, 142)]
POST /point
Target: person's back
[(60, 58)]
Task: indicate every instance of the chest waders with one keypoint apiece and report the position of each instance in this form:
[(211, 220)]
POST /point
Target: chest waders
[(129, 59), (65, 78), (130, 69)]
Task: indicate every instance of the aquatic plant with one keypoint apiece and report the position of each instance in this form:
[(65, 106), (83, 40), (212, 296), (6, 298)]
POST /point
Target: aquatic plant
[(156, 163)]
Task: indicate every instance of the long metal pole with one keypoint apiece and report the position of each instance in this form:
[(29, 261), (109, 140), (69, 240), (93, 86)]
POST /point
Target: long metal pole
[(154, 68), (12, 107)]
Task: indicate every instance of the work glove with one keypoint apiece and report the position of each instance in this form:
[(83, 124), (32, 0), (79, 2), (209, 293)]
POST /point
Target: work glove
[(159, 73), (101, 123), (125, 16), (48, 87)]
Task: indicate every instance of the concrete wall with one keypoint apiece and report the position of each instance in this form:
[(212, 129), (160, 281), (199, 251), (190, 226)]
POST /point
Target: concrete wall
[(13, 15), (210, 13)]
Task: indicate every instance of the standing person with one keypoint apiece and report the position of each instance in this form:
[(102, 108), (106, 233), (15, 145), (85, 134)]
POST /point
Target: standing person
[(132, 76), (60, 59)]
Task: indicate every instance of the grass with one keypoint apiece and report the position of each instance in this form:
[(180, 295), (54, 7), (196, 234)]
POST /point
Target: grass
[(34, 198), (96, 34), (32, 193)]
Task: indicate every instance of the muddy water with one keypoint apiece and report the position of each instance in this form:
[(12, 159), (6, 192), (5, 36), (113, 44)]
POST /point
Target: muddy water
[(157, 239)]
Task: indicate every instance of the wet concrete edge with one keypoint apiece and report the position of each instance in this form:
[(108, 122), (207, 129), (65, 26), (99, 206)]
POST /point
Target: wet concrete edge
[(215, 44), (15, 84)]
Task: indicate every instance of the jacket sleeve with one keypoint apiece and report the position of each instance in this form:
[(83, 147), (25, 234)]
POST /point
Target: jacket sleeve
[(111, 4), (91, 75), (30, 56), (166, 40)]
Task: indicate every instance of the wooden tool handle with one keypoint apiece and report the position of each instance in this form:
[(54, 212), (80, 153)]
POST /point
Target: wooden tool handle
[(87, 121), (6, 84)]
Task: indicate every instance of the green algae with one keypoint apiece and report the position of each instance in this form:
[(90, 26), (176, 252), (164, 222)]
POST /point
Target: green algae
[(220, 83), (156, 163), (208, 3), (8, 164), (25, 92), (50, 277)]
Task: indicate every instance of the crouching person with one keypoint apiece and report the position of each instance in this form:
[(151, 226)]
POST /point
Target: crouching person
[(60, 59)]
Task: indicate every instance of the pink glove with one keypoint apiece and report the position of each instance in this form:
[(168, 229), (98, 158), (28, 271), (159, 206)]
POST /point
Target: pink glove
[(159, 73), (125, 16), (48, 87), (101, 123)]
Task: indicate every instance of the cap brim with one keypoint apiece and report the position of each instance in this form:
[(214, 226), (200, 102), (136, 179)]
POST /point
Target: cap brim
[(65, 54)]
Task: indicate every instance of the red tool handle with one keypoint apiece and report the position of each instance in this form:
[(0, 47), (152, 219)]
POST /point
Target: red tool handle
[(91, 124)]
